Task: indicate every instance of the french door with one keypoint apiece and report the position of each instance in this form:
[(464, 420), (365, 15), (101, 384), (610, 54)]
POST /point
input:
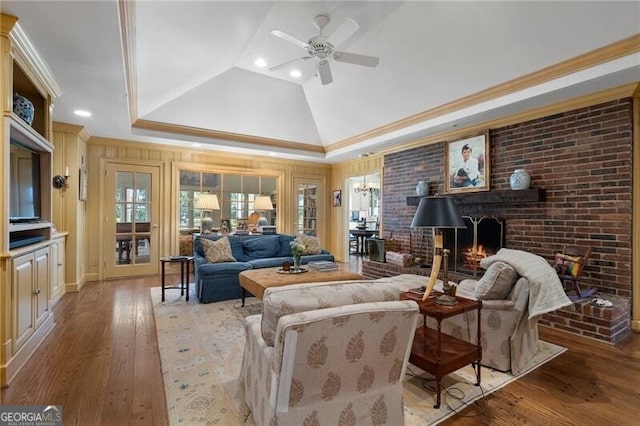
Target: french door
[(131, 220), (308, 207)]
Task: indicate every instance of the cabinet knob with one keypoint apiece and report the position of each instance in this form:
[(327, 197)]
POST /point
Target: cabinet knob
[(37, 291)]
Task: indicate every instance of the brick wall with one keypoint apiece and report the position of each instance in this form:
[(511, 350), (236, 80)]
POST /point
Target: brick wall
[(581, 158)]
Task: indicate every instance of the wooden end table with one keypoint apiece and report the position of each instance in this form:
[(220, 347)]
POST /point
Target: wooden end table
[(184, 273), (438, 353)]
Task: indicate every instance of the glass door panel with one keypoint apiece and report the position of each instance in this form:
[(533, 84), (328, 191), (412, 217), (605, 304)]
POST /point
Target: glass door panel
[(308, 205), (133, 193)]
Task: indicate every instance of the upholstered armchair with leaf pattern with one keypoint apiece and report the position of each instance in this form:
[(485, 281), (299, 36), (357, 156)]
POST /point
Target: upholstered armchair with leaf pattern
[(330, 353), (516, 289)]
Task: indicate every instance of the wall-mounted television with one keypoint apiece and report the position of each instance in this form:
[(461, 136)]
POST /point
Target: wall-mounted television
[(24, 184)]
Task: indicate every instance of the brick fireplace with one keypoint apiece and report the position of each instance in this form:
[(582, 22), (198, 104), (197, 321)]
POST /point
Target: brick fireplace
[(582, 161)]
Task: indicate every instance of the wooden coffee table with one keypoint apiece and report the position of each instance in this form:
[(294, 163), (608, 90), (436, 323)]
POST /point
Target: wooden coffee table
[(256, 281)]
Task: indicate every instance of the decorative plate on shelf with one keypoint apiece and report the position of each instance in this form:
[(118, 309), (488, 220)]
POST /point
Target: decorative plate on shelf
[(292, 271)]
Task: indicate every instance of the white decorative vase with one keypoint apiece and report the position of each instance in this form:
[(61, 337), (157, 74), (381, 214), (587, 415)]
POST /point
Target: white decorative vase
[(422, 188), (520, 179)]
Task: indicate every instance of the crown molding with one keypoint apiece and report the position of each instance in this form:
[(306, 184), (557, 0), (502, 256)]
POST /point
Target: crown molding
[(264, 143), (622, 48), (608, 95), (72, 129), (127, 14), (31, 56)]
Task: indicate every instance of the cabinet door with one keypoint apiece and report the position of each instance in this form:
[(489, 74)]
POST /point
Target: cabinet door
[(23, 284), (42, 280), (56, 290)]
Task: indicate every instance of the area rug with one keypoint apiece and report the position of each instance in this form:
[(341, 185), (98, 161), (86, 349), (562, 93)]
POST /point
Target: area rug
[(201, 347)]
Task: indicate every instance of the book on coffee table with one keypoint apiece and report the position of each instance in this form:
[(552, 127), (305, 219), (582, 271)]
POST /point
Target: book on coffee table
[(323, 266)]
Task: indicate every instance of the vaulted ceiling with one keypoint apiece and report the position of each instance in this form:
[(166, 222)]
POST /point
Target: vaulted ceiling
[(181, 72)]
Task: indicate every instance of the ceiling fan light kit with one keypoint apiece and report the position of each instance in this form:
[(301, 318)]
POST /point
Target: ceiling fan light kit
[(322, 48)]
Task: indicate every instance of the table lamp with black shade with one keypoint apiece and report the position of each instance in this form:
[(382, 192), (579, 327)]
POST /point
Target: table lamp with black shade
[(438, 213), (207, 203)]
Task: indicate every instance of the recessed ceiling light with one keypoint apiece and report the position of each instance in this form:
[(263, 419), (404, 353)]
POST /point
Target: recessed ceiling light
[(260, 63), (295, 73), (82, 113)]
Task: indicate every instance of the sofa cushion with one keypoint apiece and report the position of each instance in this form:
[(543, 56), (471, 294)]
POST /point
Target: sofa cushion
[(311, 243), (236, 248), (281, 301), (497, 282), (261, 247), (285, 247), (217, 251), (269, 262)]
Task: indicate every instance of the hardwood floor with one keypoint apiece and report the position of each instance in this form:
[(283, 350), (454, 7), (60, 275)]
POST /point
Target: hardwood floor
[(101, 363)]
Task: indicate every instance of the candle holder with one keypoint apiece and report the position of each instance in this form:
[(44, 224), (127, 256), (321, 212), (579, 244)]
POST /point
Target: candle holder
[(60, 182)]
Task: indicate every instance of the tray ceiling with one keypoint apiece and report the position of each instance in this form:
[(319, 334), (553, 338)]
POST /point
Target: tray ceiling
[(190, 74)]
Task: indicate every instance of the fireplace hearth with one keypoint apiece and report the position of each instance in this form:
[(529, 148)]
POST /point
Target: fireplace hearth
[(482, 237)]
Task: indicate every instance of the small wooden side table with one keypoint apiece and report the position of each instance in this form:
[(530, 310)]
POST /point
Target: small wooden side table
[(436, 352), (184, 273)]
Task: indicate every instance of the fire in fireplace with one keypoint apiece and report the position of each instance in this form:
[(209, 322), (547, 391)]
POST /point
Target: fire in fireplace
[(482, 237)]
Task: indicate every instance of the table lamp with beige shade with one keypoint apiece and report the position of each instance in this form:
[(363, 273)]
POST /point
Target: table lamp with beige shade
[(207, 203), (437, 213), (261, 204)]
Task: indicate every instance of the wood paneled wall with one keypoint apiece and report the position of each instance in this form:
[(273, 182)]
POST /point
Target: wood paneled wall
[(102, 150)]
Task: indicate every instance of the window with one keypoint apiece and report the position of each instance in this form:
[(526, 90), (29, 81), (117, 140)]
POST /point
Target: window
[(236, 193)]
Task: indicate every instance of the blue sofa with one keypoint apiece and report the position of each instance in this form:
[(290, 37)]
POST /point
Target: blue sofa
[(219, 281)]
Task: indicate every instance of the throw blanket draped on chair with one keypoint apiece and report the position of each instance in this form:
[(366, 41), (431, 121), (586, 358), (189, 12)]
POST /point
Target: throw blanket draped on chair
[(546, 291)]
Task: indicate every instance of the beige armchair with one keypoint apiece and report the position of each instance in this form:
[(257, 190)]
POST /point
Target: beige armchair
[(509, 340), (330, 353), (516, 289)]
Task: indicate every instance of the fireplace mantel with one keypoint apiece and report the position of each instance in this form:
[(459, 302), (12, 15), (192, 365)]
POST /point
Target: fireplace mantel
[(533, 195)]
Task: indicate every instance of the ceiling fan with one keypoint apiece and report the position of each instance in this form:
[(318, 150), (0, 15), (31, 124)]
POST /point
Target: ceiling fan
[(322, 48)]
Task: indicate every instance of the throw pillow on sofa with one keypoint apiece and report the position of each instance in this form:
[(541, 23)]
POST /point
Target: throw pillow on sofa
[(217, 251), (311, 243), (497, 282)]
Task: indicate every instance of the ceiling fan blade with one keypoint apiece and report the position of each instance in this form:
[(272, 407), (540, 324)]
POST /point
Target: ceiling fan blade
[(345, 30), (289, 38), (354, 58), (289, 63), (325, 72)]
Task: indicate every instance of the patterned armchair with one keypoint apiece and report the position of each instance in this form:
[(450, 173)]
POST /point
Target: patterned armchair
[(509, 339), (330, 353), (517, 288)]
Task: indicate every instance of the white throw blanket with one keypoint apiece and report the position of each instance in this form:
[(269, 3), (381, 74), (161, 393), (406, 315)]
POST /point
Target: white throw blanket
[(546, 293)]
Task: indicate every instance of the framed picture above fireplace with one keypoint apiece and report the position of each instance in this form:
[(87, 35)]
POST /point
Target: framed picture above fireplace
[(467, 164)]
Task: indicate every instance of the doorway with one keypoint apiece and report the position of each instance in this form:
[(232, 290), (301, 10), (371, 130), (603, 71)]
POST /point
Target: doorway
[(131, 223), (364, 211)]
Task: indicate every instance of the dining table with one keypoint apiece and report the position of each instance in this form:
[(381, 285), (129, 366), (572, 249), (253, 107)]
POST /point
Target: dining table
[(361, 236)]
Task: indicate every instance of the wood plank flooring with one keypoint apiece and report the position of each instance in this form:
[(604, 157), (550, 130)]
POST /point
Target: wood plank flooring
[(101, 363)]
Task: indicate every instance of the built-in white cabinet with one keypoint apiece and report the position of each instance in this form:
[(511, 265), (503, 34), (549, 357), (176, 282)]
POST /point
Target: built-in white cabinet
[(30, 284), (29, 254)]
